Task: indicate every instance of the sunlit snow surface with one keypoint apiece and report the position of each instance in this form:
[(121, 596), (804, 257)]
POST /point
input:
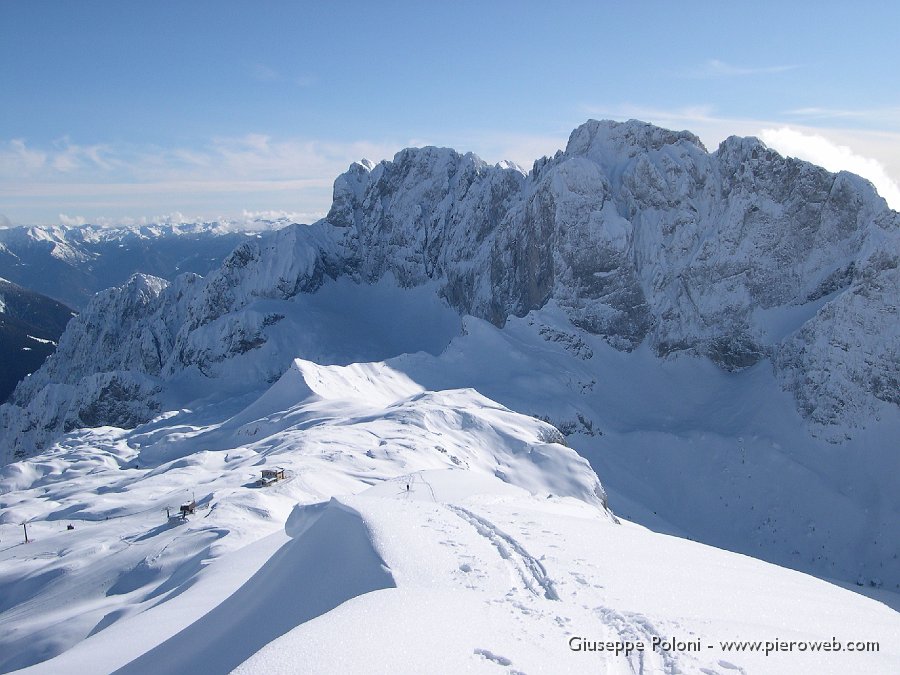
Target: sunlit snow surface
[(462, 575), (500, 550)]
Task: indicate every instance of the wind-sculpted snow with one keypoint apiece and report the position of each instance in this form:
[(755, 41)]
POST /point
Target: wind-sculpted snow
[(335, 430), (330, 562), (394, 544), (488, 579)]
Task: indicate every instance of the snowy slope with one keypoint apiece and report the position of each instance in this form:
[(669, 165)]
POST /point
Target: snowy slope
[(335, 429), (686, 448), (416, 532), (490, 583)]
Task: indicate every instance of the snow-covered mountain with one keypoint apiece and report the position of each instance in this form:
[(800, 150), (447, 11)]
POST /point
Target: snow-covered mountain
[(638, 233), (716, 332), (30, 325), (71, 263)]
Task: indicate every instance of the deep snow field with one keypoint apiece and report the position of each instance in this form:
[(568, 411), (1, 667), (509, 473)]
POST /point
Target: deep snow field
[(423, 527), (684, 447)]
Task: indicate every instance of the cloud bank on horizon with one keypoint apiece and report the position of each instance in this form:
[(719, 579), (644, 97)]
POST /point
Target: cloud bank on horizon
[(213, 109)]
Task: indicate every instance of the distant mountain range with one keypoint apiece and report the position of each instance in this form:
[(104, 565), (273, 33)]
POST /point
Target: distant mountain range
[(61, 267), (70, 264)]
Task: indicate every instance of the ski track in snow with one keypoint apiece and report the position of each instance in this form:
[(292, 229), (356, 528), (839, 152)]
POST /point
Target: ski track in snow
[(529, 569), (638, 628), (630, 626)]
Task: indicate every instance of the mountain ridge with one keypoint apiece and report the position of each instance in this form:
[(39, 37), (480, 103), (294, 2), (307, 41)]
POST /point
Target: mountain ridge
[(637, 232)]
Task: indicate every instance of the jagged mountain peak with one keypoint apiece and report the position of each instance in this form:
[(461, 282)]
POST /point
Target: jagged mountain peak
[(140, 287), (421, 172), (602, 138), (746, 147)]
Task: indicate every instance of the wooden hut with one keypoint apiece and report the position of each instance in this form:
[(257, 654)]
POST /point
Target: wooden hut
[(270, 476)]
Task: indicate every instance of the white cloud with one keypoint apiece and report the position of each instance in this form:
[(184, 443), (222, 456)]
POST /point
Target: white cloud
[(247, 220), (254, 158), (819, 150), (254, 172), (264, 73), (250, 217), (244, 160), (258, 173), (888, 117), (17, 159), (717, 68), (66, 219), (175, 218)]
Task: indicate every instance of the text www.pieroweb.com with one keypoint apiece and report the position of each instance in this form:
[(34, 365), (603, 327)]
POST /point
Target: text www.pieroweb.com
[(767, 647)]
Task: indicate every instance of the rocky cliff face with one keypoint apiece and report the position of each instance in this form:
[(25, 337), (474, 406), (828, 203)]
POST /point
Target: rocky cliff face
[(638, 232), (641, 234)]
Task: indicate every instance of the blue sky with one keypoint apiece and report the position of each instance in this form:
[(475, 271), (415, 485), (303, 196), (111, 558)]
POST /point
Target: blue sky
[(117, 111)]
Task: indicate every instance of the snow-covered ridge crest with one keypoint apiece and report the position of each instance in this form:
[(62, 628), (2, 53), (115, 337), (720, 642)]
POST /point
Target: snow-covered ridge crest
[(638, 233), (333, 431)]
